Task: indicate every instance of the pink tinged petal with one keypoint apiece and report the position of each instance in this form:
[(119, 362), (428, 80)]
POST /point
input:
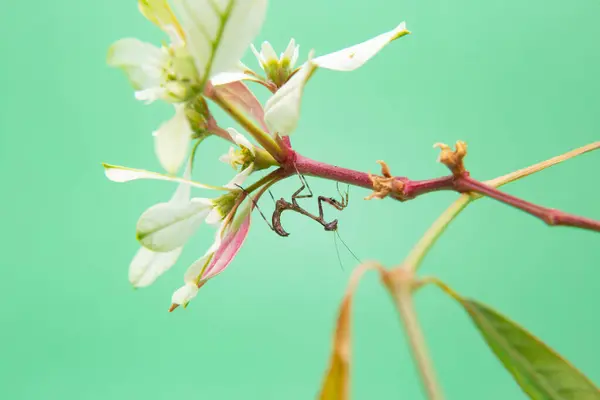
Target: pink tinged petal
[(356, 56), (172, 140), (238, 94), (232, 242), (192, 275), (147, 266)]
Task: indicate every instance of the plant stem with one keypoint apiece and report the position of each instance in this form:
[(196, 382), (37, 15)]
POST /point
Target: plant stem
[(411, 189), (319, 169), (405, 305), (273, 177), (550, 216), (416, 255), (262, 137), (461, 184), (521, 173)]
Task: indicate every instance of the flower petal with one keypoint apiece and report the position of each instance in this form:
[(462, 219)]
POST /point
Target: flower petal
[(172, 140), (218, 32), (229, 157), (148, 265), (214, 217), (353, 57), (240, 178), (268, 53), (282, 110), (142, 62), (183, 192), (121, 174), (166, 226), (193, 273), (240, 139), (232, 241), (158, 12), (184, 295), (238, 94), (224, 78)]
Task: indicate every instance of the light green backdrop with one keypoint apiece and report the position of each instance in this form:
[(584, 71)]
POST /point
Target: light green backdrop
[(518, 80)]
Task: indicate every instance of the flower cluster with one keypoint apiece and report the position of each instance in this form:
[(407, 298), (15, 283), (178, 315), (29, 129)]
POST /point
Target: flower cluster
[(200, 62)]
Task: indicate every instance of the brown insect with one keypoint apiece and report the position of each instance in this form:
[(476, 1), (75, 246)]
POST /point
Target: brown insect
[(282, 205)]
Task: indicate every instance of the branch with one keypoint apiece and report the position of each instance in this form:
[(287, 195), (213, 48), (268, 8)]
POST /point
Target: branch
[(400, 283), (409, 188), (550, 216), (415, 258), (403, 189)]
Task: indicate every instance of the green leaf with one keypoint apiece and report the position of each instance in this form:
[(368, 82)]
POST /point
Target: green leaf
[(539, 370)]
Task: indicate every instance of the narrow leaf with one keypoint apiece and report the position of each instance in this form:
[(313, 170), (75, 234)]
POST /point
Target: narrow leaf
[(336, 385), (233, 239), (541, 372)]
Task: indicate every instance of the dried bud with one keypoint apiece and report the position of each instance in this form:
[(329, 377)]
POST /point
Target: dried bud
[(453, 159)]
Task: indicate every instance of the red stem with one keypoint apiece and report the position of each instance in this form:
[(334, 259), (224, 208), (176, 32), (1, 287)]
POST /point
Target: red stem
[(412, 189), (550, 216), (306, 166)]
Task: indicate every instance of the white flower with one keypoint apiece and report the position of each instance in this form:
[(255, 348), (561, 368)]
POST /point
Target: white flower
[(207, 39), (154, 72), (278, 69), (242, 158), (282, 110), (164, 228), (218, 32)]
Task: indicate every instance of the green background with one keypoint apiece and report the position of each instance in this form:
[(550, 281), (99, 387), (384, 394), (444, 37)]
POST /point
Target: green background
[(518, 80)]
